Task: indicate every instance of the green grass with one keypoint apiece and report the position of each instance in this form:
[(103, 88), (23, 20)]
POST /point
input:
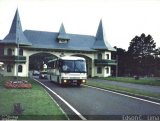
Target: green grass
[(122, 89), (36, 102), (143, 81)]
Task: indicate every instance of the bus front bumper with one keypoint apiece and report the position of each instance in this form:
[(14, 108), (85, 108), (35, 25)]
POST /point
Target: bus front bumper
[(73, 81)]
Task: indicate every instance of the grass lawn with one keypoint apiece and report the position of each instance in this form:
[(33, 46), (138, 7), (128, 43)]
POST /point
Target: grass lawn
[(118, 88), (36, 102), (144, 81)]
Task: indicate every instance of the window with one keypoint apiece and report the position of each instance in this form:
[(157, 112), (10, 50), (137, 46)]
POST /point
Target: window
[(78, 66), (99, 56), (99, 70), (107, 70), (21, 51), (51, 65), (1, 50), (9, 68), (9, 51), (107, 55), (20, 68), (63, 41)]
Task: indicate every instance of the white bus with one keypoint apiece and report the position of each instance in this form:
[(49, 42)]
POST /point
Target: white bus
[(67, 70)]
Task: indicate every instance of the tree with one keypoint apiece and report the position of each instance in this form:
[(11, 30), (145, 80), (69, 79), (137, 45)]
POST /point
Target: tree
[(157, 62), (122, 61), (141, 55), (142, 46)]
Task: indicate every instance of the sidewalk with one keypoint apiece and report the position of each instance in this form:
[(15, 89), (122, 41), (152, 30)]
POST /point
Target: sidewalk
[(148, 88)]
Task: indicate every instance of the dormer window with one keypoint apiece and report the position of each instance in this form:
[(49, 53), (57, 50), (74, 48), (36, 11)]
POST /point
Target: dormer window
[(62, 36), (21, 51), (99, 56), (63, 41)]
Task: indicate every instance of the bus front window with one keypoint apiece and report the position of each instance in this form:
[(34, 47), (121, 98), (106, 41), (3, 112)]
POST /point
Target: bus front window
[(76, 66), (67, 66), (80, 66)]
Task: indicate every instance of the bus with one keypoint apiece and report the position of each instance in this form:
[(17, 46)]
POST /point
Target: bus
[(67, 70)]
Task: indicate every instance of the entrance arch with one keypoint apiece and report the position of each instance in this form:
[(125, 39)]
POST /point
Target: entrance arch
[(88, 63), (37, 60)]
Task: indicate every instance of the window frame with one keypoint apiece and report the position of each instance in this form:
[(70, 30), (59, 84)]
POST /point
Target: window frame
[(20, 68), (99, 70), (9, 68), (20, 51), (107, 56), (9, 52), (107, 70), (99, 56)]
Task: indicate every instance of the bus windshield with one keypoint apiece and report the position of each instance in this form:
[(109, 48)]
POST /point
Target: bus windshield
[(75, 66)]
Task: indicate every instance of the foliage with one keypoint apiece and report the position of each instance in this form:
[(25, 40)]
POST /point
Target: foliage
[(141, 53), (142, 46), (122, 65), (141, 59), (36, 61)]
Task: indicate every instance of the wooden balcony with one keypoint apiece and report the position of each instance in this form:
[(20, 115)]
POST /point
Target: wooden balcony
[(104, 62), (12, 59)]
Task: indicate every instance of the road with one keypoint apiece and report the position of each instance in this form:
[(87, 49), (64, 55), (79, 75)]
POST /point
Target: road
[(98, 104)]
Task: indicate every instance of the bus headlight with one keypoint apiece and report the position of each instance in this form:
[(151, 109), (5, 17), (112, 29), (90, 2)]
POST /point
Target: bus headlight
[(83, 81), (65, 81)]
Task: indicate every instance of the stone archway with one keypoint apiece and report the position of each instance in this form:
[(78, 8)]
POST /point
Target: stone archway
[(37, 60), (88, 63)]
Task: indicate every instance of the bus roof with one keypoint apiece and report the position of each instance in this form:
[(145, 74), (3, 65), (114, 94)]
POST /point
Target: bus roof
[(71, 58), (68, 58)]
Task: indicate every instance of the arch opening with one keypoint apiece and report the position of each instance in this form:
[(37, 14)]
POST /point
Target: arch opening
[(38, 60)]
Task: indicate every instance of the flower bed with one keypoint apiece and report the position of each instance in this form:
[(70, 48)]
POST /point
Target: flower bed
[(18, 84)]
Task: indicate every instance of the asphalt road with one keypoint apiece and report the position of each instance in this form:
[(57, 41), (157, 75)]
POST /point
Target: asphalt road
[(98, 104)]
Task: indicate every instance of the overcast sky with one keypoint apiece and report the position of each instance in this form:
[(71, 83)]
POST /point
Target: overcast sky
[(122, 19)]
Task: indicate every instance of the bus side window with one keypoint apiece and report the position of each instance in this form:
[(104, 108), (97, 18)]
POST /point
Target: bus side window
[(53, 64), (49, 65), (57, 65)]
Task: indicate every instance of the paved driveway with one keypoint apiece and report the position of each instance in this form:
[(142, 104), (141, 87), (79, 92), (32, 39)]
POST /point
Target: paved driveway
[(97, 104)]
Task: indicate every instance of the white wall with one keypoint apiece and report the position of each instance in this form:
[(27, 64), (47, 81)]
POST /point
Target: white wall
[(104, 56), (28, 53)]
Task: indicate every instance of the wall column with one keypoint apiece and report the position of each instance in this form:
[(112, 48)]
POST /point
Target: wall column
[(93, 68)]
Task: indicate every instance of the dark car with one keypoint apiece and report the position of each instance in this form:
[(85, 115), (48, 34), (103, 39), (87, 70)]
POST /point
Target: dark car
[(43, 75), (35, 73)]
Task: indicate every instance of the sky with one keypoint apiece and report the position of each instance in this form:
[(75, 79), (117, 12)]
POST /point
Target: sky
[(122, 19)]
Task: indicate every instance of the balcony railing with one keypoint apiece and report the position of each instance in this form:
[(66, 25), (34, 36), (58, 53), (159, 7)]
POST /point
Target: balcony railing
[(104, 62), (13, 59)]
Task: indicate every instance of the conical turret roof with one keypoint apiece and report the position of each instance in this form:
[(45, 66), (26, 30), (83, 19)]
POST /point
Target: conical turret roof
[(101, 42), (62, 33), (15, 35)]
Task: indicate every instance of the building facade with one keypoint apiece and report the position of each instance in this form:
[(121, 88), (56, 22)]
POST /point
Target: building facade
[(19, 45)]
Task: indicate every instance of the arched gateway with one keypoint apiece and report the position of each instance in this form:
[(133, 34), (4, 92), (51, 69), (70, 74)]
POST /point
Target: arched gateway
[(19, 45)]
